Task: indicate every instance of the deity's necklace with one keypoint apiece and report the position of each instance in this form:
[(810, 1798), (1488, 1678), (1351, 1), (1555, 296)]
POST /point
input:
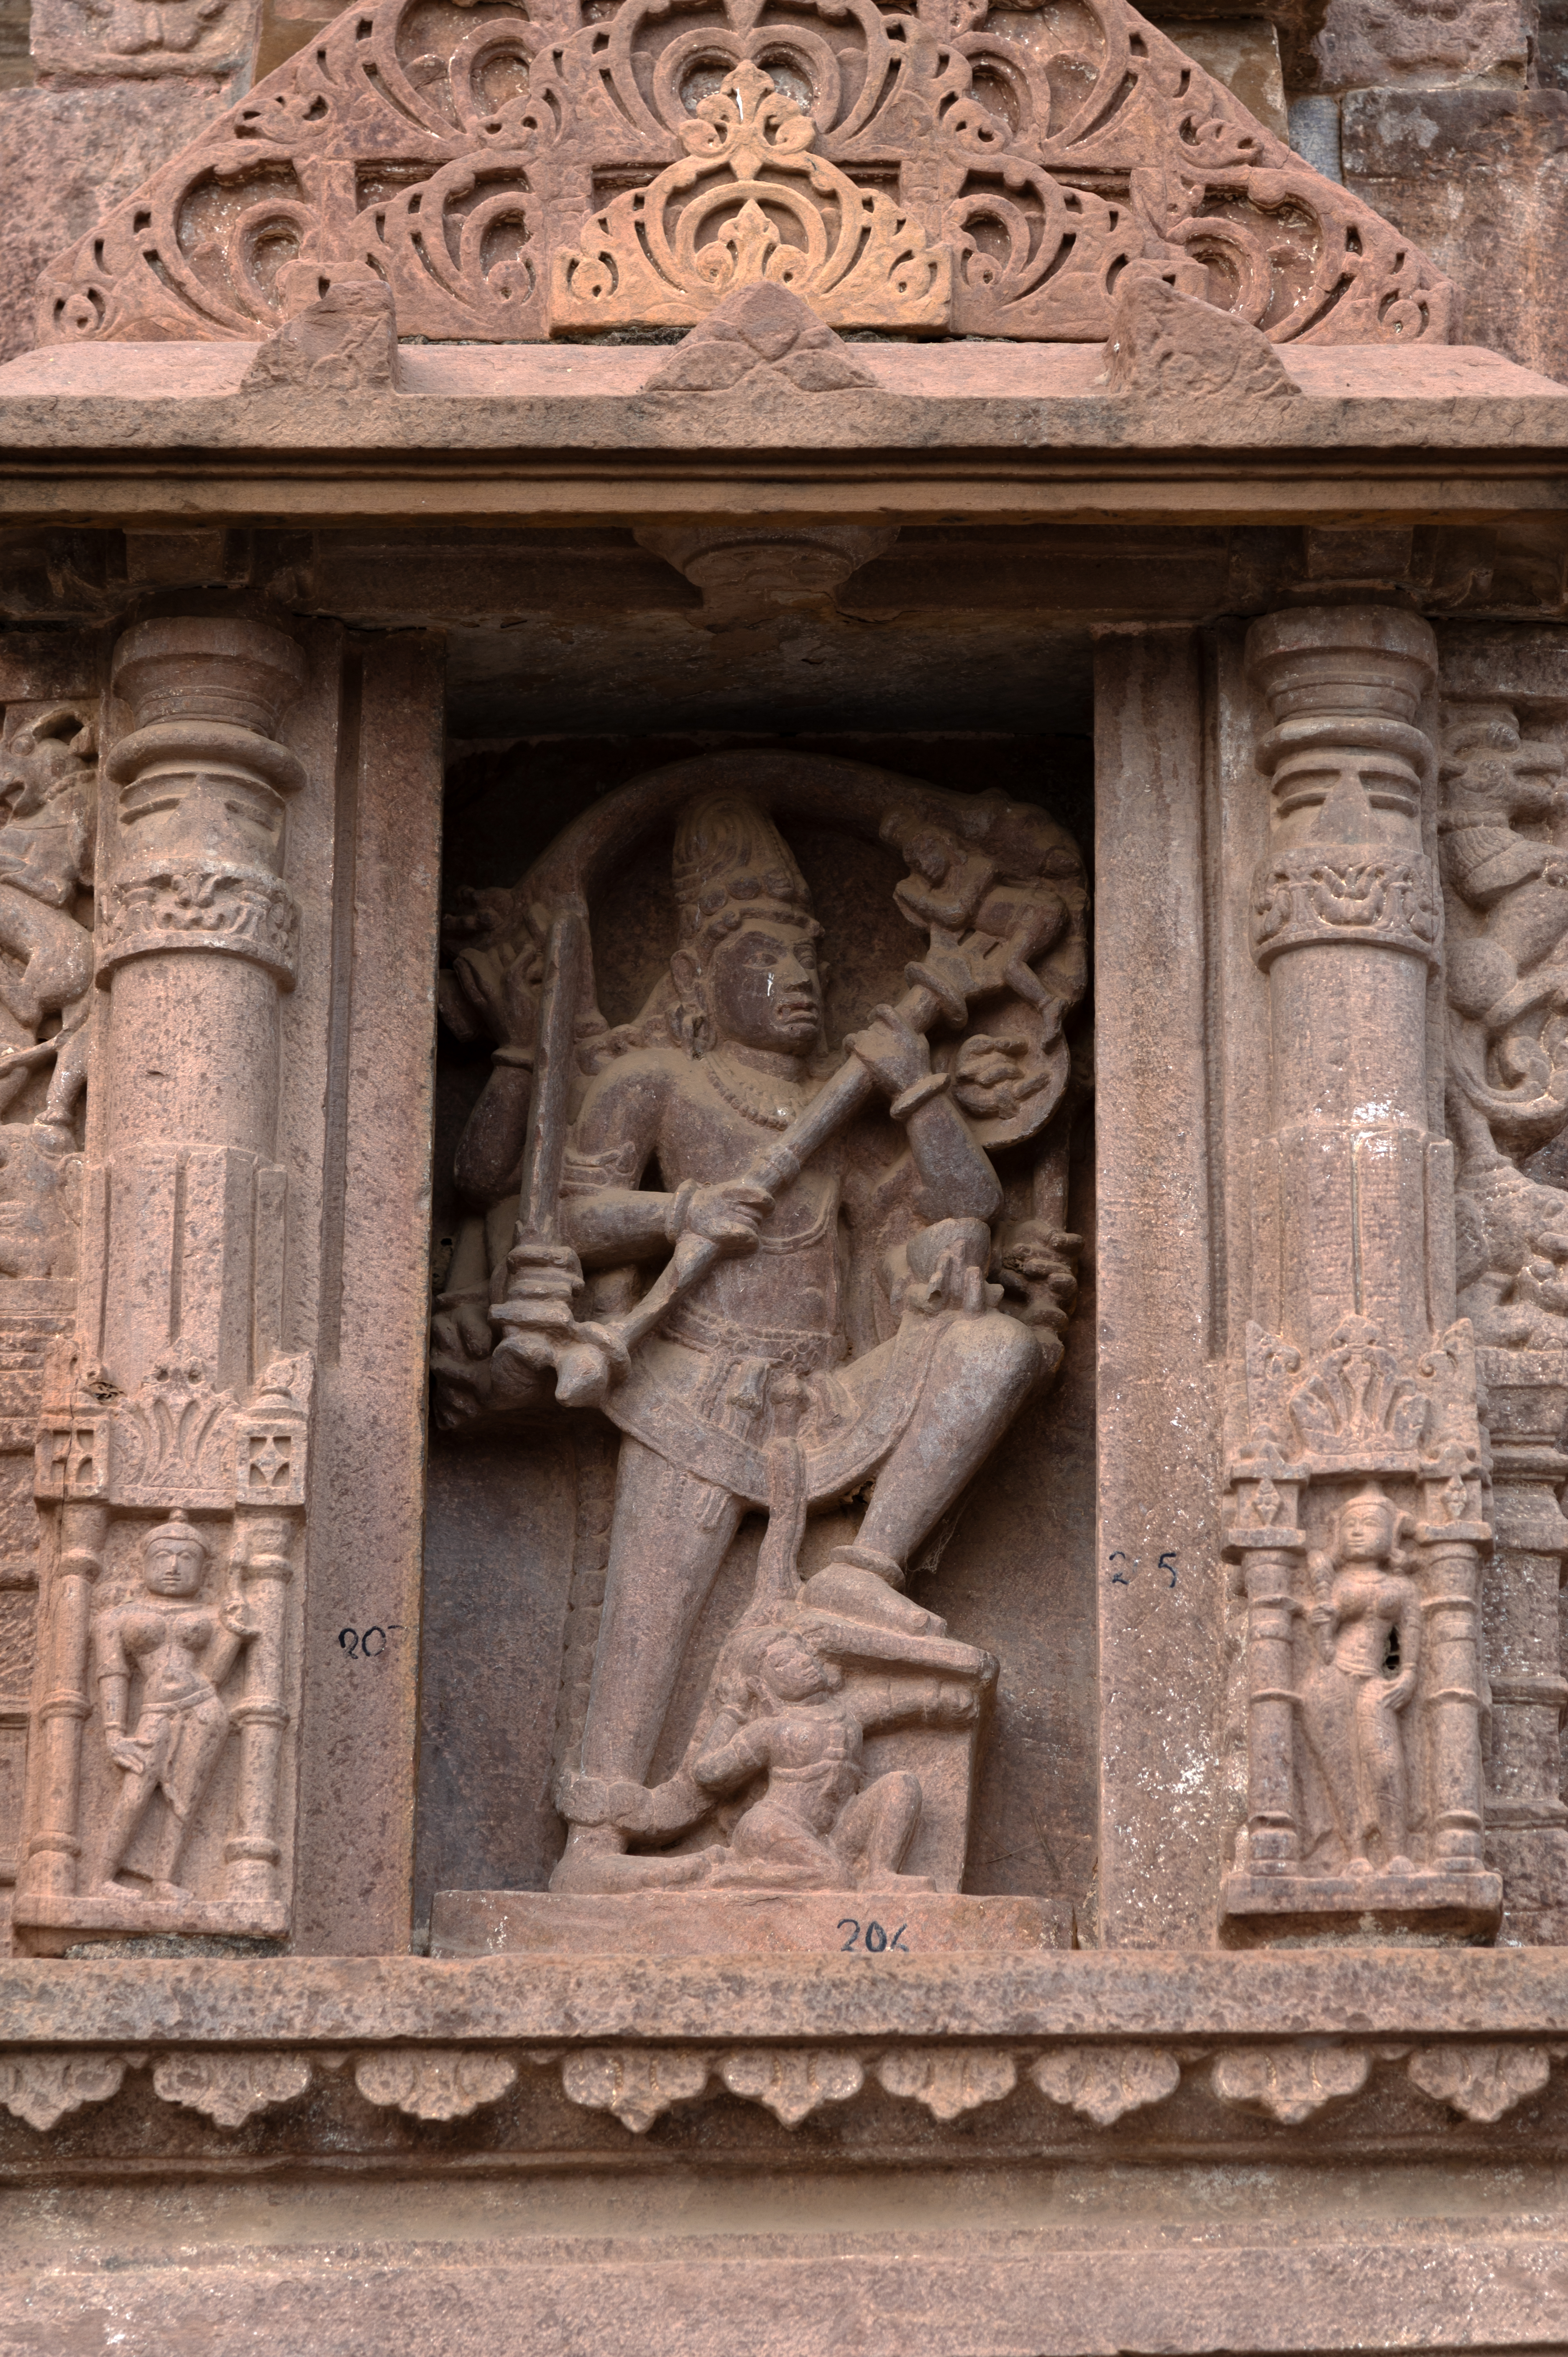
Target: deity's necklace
[(749, 1101)]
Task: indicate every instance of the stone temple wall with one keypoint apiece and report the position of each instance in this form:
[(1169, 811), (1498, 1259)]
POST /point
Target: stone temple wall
[(783, 1179)]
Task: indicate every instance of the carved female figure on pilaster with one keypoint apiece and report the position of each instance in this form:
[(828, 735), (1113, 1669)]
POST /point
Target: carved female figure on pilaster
[(182, 1648), (1364, 1624)]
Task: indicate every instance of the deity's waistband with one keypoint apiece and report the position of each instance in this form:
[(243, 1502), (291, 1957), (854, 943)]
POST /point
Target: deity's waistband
[(797, 1348)]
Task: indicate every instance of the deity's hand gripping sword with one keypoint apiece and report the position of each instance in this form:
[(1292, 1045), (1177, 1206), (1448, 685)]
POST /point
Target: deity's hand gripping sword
[(543, 1275)]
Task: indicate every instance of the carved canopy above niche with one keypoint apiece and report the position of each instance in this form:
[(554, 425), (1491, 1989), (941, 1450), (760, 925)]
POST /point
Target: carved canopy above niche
[(952, 167)]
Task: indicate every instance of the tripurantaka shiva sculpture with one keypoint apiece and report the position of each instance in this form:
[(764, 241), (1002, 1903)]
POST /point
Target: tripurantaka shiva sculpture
[(791, 1275)]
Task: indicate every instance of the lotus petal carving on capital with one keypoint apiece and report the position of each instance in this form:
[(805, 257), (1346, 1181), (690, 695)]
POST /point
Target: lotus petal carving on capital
[(231, 2088), (433, 2083), (1481, 2081), (793, 2082), (1359, 1405), (948, 2080), (636, 2083), (173, 1440), (1289, 2083), (1102, 2082), (1358, 1398)]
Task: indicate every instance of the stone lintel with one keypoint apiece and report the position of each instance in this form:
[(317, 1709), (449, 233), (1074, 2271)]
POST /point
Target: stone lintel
[(163, 435)]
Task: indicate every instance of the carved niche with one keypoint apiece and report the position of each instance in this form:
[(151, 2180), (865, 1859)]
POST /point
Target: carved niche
[(787, 1280), (950, 167)]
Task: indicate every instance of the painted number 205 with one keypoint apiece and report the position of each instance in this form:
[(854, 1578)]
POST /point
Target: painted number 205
[(873, 1936)]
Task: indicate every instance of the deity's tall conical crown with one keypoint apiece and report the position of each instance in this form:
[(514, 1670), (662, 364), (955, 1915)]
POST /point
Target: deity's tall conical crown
[(727, 850)]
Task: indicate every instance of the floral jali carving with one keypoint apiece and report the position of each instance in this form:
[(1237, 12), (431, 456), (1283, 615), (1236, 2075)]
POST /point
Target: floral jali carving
[(948, 2080), (42, 2088), (793, 2082), (948, 166), (636, 2083), (1481, 2081)]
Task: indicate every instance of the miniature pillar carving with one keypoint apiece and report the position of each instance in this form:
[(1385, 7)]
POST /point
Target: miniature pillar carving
[(1355, 1453), (54, 1846), (176, 1403), (252, 1851)]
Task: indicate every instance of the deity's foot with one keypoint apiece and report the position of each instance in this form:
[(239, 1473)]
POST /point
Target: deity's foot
[(605, 1872), (170, 1894), (861, 1593)]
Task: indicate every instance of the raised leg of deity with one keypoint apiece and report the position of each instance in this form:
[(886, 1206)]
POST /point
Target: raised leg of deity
[(672, 1532), (982, 1371)]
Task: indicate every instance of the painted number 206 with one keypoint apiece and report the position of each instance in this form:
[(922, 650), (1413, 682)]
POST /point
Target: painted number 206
[(874, 1937)]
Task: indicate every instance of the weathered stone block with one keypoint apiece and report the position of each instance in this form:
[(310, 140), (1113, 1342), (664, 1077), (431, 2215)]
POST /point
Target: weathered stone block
[(1478, 178), (71, 154)]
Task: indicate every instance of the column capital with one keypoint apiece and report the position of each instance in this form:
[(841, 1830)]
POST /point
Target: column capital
[(197, 847), (1344, 685)]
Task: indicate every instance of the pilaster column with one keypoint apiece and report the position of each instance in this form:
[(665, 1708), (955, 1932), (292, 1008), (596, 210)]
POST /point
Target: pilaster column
[(1346, 922), (197, 940), (1270, 1553), (180, 1401), (1452, 1687), (1358, 1396)]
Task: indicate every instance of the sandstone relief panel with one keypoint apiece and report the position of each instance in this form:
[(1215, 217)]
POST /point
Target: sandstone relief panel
[(1501, 832), (766, 1269), (49, 787), (572, 170)]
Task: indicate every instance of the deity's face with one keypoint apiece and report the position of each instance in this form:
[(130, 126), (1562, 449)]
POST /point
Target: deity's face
[(764, 987), (1366, 1533), (792, 1673), (174, 1568)]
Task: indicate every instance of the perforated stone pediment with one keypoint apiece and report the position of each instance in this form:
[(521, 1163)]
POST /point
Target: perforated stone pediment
[(596, 166)]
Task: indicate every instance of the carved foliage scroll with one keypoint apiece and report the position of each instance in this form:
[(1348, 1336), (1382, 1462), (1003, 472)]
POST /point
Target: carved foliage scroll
[(950, 166)]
